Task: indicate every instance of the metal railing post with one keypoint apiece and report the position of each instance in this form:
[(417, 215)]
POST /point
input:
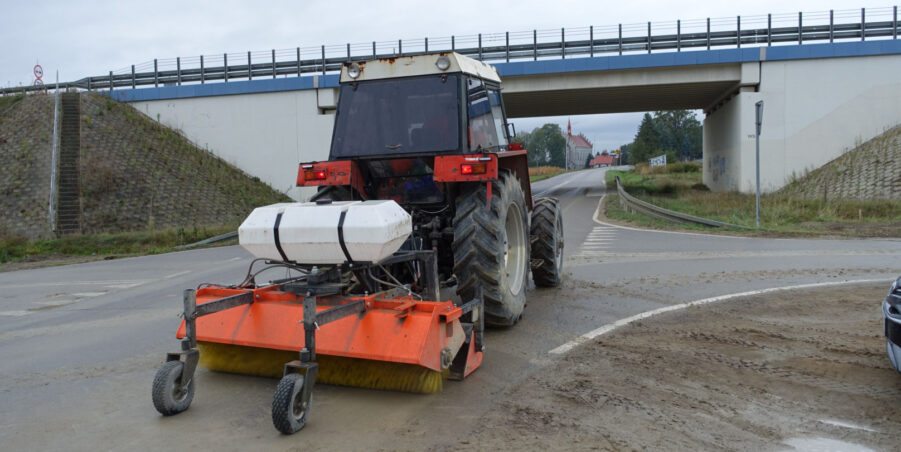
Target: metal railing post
[(323, 60), (649, 37), (298, 61), (348, 51), (534, 44), (249, 67), (373, 50), (427, 44), (620, 39), (863, 24), (133, 81), (708, 33), (202, 75), (769, 30), (156, 75), (738, 31), (678, 35), (591, 40), (400, 47), (895, 22), (273, 63), (563, 43), (225, 66), (831, 26), (507, 48), (480, 47), (178, 71), (110, 80), (800, 29), (453, 44)]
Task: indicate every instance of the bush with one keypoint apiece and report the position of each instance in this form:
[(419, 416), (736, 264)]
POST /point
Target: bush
[(683, 167)]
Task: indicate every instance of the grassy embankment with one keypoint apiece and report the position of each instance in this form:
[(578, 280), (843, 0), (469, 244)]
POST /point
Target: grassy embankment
[(679, 187)]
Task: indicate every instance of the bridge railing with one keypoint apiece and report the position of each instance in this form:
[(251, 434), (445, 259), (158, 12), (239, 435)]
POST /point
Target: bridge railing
[(672, 36)]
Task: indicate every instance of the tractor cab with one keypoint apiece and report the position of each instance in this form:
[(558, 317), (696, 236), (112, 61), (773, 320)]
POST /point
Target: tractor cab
[(396, 116)]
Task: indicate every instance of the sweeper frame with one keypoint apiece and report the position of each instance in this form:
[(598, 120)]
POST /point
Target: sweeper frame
[(450, 337)]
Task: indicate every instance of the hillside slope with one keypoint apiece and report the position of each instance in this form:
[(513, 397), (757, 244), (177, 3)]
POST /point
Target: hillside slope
[(871, 171), (134, 174)]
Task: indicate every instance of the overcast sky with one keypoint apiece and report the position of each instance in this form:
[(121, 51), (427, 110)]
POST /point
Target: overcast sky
[(82, 38)]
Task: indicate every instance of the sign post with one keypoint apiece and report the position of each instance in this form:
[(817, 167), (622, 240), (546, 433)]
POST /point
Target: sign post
[(759, 106)]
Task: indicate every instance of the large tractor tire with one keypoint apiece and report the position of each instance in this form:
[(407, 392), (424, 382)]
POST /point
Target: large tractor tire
[(491, 248), (547, 226)]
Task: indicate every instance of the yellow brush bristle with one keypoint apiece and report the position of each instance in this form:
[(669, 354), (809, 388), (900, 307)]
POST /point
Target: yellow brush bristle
[(336, 370)]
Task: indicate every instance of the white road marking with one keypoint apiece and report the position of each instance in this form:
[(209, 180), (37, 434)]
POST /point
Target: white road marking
[(565, 348), (175, 275), (131, 283), (595, 243), (88, 294), (14, 313), (847, 425)]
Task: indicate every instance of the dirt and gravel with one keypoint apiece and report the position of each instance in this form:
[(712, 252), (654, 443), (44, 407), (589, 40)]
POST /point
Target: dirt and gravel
[(804, 370)]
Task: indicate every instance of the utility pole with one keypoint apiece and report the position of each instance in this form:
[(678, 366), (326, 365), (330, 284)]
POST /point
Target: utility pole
[(759, 106)]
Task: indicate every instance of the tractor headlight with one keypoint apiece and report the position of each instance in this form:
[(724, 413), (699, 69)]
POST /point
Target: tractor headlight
[(443, 63), (354, 70)]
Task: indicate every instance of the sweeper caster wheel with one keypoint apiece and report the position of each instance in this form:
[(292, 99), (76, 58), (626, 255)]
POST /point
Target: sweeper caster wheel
[(289, 409), (169, 395)]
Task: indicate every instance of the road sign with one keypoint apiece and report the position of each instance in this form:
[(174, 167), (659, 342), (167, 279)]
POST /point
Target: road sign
[(38, 82), (38, 71)]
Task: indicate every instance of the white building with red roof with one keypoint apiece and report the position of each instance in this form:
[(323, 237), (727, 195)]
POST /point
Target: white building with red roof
[(578, 149)]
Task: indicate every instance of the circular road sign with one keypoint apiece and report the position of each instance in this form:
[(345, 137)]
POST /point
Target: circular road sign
[(38, 71), (38, 82)]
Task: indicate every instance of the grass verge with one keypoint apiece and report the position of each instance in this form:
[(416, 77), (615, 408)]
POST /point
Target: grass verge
[(15, 248), (781, 213)]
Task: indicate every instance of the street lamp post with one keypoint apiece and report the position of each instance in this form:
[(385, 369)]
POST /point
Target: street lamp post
[(759, 106)]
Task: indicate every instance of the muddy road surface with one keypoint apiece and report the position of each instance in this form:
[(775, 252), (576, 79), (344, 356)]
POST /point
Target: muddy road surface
[(799, 369)]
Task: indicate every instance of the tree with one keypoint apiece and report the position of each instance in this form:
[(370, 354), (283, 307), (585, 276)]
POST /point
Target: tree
[(677, 133), (546, 146)]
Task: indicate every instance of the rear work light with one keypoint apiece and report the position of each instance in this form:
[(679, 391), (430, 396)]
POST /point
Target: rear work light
[(473, 168), (314, 175)]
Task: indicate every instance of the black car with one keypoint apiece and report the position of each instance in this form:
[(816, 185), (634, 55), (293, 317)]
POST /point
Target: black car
[(891, 310)]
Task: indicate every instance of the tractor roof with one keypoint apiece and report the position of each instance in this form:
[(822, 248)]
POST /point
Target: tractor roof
[(409, 66)]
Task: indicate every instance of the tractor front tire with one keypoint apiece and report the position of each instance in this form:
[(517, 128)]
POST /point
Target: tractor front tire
[(547, 226), (491, 248)]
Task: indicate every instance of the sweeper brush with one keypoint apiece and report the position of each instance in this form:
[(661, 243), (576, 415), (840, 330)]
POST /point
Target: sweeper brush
[(369, 321)]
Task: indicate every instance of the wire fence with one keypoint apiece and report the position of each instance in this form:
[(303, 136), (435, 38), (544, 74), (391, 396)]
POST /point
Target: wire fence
[(671, 36)]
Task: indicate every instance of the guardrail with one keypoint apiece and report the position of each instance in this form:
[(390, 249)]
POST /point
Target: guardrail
[(218, 238), (634, 204), (533, 45)]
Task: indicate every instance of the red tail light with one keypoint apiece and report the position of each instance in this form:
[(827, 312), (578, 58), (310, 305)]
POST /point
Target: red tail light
[(314, 175), (470, 168)]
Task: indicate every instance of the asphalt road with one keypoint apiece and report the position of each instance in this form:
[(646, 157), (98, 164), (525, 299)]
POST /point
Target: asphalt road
[(79, 344)]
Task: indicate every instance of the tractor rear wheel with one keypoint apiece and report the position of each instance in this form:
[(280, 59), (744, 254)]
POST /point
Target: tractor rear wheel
[(491, 248), (547, 226)]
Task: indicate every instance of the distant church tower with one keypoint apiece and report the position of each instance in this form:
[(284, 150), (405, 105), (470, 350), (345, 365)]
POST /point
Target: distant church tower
[(578, 148)]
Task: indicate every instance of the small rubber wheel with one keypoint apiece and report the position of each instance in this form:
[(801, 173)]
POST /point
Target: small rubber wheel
[(289, 410), (169, 397)]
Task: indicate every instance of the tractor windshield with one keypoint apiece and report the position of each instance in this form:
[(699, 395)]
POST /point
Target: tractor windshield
[(418, 115)]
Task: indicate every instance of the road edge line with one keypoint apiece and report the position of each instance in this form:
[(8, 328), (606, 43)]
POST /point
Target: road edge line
[(565, 348)]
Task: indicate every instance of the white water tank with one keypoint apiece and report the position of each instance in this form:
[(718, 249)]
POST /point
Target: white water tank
[(308, 232)]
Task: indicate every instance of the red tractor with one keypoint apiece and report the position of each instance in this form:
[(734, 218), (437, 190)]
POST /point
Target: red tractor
[(430, 133)]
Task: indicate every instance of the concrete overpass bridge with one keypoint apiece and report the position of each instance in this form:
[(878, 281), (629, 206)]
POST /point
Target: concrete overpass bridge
[(826, 87)]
